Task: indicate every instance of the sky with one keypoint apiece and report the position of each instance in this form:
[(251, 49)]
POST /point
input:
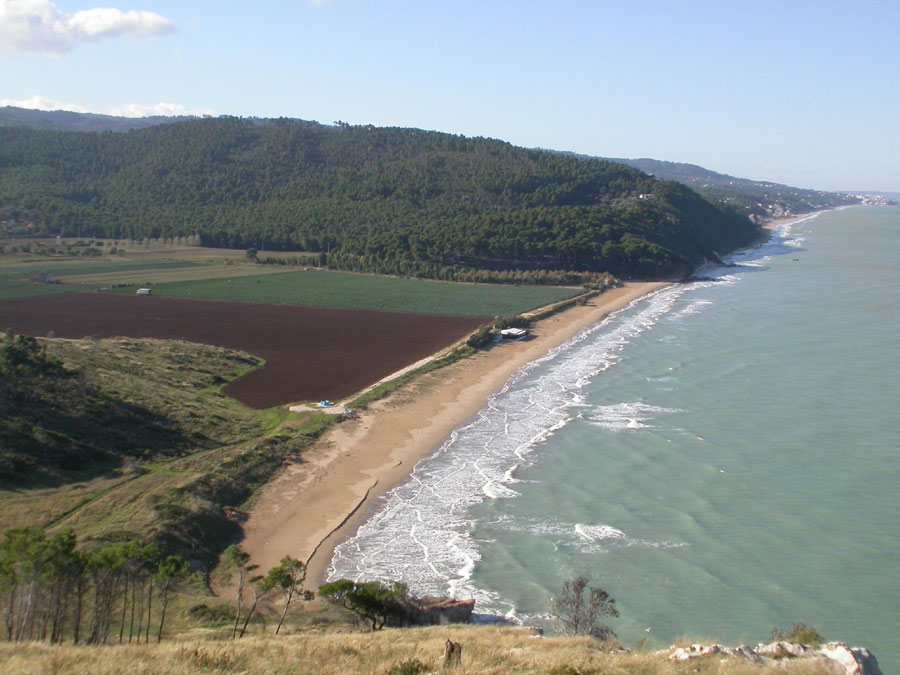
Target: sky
[(802, 93)]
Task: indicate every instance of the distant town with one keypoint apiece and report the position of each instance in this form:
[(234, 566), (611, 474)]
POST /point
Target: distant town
[(877, 200)]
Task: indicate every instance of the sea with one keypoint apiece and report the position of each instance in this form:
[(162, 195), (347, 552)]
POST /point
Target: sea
[(722, 457)]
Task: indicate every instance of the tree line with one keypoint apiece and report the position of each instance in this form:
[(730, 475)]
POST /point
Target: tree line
[(397, 201), (53, 589), (115, 592)]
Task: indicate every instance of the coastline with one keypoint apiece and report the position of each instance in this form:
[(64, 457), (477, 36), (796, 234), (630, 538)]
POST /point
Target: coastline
[(312, 505), (770, 225)]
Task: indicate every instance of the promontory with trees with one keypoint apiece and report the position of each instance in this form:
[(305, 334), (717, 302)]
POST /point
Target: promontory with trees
[(387, 200)]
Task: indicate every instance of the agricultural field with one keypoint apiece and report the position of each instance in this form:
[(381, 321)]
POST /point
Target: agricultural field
[(322, 334), (24, 276), (227, 274), (310, 353), (55, 277), (322, 288)]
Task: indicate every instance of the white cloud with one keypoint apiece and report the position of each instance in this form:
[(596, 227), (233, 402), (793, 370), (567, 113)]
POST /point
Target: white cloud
[(42, 103), (165, 109), (39, 27)]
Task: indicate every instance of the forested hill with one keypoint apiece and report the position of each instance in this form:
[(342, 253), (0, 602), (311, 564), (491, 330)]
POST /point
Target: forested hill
[(761, 199), (65, 120), (401, 201)]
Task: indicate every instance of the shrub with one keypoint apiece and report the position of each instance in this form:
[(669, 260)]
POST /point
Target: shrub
[(370, 600), (513, 321), (22, 354), (799, 634), (413, 667), (581, 609), (216, 616), (483, 336)]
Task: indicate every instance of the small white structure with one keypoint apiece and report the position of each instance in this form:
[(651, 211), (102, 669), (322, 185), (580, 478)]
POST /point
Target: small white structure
[(142, 291), (513, 333)]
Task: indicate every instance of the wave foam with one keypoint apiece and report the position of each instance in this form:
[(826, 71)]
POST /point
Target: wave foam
[(420, 533), (598, 532), (627, 416)]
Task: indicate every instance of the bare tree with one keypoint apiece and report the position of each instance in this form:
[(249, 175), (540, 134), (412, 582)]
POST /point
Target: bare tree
[(581, 609), (260, 588), (238, 559), (169, 571)]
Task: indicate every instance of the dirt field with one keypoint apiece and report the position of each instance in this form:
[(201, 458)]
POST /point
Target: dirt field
[(311, 353)]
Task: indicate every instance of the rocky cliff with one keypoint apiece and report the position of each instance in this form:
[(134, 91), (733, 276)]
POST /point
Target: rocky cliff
[(836, 655)]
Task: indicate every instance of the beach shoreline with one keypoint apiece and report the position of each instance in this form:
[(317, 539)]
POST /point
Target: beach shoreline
[(313, 505), (770, 225)]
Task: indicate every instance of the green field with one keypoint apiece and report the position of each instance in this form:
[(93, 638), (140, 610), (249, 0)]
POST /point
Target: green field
[(362, 291), (218, 274), (15, 278)]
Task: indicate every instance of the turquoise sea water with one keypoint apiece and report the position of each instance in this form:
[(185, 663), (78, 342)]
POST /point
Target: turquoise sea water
[(723, 457)]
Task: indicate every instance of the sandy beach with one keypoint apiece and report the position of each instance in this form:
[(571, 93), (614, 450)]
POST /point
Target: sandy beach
[(311, 506), (772, 224)]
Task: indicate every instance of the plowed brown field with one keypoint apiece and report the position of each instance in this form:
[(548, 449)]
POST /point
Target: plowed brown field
[(311, 353)]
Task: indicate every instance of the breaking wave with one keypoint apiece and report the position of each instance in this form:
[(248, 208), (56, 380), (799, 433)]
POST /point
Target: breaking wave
[(420, 532), (627, 416)]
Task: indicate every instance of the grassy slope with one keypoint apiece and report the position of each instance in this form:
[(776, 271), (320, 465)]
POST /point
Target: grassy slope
[(364, 291), (141, 443), (137, 399), (485, 650)]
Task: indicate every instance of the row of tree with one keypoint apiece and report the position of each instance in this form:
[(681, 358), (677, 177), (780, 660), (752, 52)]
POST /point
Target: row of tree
[(419, 269), (52, 590)]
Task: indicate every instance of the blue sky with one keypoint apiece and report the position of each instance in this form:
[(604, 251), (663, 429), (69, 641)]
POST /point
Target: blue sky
[(805, 93)]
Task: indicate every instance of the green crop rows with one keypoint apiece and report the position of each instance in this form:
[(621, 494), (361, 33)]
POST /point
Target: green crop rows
[(361, 291)]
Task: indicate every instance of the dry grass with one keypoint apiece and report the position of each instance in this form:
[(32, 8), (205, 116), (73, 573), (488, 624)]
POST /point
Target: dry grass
[(44, 506), (485, 650)]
